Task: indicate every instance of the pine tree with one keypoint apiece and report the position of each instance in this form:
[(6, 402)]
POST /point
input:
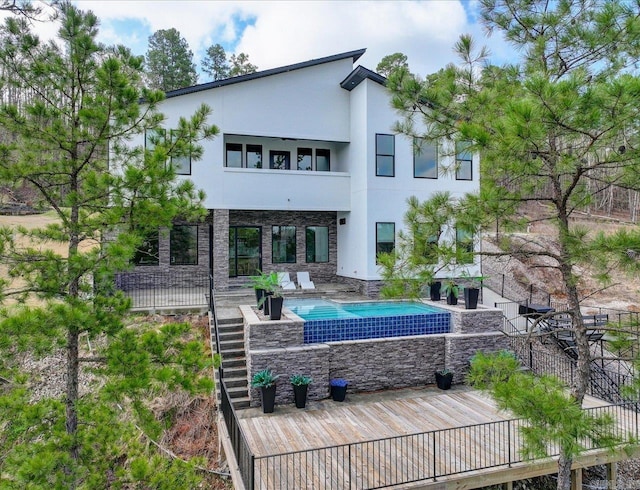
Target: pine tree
[(73, 140), (215, 63), (169, 61), (240, 65)]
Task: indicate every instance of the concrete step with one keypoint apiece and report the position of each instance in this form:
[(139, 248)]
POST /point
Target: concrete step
[(227, 345), (238, 362), (240, 403), (230, 321), (235, 372), (236, 391), (236, 382), (232, 335), (232, 353), (231, 328)]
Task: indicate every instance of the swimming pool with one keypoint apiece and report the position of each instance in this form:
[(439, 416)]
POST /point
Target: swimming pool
[(329, 321)]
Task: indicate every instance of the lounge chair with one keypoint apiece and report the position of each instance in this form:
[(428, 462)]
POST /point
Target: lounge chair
[(304, 281), (285, 281)]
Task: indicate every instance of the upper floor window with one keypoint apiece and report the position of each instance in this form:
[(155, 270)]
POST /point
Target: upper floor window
[(464, 160), (234, 155), (283, 244), (148, 253), (464, 246), (182, 163), (153, 137), (385, 238), (385, 155), (317, 247), (183, 245), (254, 156), (279, 159), (425, 159), (323, 163), (304, 159)]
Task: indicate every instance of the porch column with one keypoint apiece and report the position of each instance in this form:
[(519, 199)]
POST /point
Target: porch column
[(220, 249)]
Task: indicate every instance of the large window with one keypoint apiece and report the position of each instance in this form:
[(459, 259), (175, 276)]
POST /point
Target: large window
[(304, 159), (153, 137), (464, 161), (254, 156), (183, 245), (234, 155), (385, 237), (280, 160), (283, 240), (182, 163), (425, 159), (425, 242), (464, 246), (317, 238), (149, 251), (385, 155), (323, 161)]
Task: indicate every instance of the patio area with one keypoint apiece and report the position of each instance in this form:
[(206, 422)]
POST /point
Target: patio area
[(395, 437)]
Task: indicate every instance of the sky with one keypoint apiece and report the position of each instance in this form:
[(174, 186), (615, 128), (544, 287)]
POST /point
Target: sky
[(278, 33)]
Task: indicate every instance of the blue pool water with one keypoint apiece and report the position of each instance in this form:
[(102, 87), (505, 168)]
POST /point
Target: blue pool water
[(328, 321)]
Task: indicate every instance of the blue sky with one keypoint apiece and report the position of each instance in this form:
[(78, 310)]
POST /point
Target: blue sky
[(277, 33)]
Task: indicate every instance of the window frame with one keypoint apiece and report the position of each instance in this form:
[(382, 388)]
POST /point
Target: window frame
[(306, 246), (172, 260), (273, 242), (392, 155), (467, 242), (463, 162), (378, 223), (251, 148), (226, 154), (161, 133), (273, 153), (299, 153), (173, 159), (151, 237), (420, 143), (321, 152)]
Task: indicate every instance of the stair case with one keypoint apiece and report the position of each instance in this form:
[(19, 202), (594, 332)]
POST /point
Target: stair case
[(234, 362)]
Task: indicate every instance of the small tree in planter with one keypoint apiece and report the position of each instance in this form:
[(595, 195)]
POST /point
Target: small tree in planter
[(260, 283), (300, 385), (338, 389), (451, 291), (266, 381), (444, 377), (270, 286)]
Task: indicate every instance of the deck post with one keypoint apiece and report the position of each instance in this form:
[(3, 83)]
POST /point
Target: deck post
[(576, 479), (612, 475)]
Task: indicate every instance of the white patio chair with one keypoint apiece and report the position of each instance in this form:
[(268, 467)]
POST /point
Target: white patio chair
[(304, 281), (285, 281)]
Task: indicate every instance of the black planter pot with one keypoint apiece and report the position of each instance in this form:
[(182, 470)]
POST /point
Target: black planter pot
[(265, 303), (275, 307), (259, 295), (452, 299), (300, 395), (338, 393), (434, 290), (471, 298), (268, 398), (444, 380)]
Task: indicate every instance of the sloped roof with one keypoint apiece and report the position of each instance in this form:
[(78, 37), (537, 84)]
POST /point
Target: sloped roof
[(358, 75), (266, 73)]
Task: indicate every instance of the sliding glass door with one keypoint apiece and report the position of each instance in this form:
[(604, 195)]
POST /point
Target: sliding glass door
[(245, 250)]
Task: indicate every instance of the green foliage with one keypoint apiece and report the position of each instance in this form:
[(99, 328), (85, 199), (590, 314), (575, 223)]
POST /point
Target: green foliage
[(169, 61), (264, 379), (554, 416), (239, 65), (299, 380), (215, 63), (392, 62)]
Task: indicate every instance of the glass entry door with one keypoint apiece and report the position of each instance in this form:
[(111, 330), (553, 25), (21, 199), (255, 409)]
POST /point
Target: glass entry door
[(245, 250)]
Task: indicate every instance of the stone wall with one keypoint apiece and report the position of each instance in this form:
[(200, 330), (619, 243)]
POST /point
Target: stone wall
[(368, 365)]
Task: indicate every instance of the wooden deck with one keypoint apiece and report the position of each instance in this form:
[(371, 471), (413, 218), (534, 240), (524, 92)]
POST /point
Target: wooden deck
[(368, 417)]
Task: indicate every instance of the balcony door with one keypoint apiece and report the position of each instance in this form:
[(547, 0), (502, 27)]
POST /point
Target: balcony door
[(245, 250)]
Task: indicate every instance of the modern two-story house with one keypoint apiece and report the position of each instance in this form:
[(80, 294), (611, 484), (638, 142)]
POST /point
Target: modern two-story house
[(306, 175)]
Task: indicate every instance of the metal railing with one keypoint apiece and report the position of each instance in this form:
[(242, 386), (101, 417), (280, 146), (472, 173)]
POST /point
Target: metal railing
[(242, 452), (164, 289), (416, 457)]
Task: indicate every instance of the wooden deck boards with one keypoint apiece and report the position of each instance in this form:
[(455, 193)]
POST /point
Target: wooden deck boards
[(369, 417)]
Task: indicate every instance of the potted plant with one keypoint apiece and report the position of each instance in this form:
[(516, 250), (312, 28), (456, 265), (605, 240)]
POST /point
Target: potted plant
[(338, 389), (451, 292), (472, 293), (444, 377), (300, 385), (259, 283), (434, 290), (266, 381), (270, 285), (275, 300)]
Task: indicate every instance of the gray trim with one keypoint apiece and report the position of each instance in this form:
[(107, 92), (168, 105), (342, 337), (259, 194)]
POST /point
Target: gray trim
[(261, 74), (358, 75)]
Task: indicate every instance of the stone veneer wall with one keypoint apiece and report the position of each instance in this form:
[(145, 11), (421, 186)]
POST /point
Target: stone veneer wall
[(371, 364)]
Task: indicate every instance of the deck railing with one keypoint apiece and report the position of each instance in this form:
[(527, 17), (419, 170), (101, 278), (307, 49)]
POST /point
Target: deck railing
[(164, 289), (417, 457)]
